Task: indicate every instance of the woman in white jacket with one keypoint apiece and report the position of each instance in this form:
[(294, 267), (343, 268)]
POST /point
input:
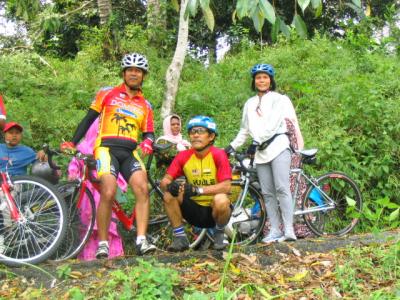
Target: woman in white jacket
[(264, 121)]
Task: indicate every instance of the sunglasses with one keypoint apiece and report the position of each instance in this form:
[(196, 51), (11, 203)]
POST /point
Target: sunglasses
[(200, 130)]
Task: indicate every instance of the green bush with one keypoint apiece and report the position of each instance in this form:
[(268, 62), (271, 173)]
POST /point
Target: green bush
[(346, 99)]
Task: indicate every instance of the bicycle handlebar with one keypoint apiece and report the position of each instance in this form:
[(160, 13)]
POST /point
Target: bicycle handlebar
[(88, 158), (240, 157)]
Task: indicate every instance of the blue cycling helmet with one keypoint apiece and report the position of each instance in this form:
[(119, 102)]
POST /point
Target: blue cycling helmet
[(264, 68), (202, 121)]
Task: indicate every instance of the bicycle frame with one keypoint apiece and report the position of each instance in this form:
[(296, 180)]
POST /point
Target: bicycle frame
[(127, 220), (5, 188), (311, 180)]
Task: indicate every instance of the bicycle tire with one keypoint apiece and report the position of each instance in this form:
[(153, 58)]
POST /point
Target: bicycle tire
[(160, 230), (82, 218), (247, 224), (36, 237), (344, 215)]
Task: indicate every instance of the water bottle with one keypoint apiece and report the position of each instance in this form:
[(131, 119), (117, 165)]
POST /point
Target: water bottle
[(247, 227), (316, 196)]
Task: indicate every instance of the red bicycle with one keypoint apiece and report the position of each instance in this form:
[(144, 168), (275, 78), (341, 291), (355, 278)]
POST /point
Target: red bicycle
[(80, 228), (33, 220)]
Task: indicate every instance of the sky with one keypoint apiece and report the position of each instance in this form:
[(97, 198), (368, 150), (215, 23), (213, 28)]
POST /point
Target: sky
[(6, 27)]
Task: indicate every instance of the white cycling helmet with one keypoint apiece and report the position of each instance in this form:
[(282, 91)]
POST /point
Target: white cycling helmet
[(135, 60)]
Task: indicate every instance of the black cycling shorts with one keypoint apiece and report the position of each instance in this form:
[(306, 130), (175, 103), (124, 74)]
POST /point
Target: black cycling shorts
[(196, 214), (114, 160)]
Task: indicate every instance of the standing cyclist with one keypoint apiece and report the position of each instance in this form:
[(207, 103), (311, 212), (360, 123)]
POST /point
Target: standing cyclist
[(203, 200), (264, 121), (124, 114)]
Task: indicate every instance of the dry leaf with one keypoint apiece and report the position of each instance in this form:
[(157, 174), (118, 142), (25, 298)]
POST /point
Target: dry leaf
[(75, 274), (249, 258), (299, 276), (335, 293), (235, 270)]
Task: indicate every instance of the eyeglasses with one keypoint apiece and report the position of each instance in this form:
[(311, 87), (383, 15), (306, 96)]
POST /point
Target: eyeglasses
[(199, 130)]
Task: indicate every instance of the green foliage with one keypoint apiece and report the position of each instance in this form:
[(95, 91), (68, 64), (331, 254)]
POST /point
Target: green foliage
[(147, 280), (346, 98), (381, 212), (375, 264), (64, 271), (76, 294), (347, 103)]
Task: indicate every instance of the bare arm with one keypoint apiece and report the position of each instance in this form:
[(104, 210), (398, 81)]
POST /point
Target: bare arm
[(165, 181)]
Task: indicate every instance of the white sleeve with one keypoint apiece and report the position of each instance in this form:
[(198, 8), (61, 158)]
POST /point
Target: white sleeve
[(243, 133)]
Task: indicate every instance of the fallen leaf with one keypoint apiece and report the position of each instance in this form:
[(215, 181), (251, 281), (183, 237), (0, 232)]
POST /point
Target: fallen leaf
[(249, 258), (299, 276), (75, 274), (335, 293), (325, 263), (234, 269)]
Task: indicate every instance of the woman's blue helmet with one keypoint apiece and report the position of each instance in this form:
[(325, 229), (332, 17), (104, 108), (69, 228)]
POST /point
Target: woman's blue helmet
[(264, 68), (202, 121)]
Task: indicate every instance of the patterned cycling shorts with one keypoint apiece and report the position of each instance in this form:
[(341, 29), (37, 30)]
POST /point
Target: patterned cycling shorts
[(114, 160)]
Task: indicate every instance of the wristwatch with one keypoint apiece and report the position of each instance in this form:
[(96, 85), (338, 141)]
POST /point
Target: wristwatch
[(200, 190)]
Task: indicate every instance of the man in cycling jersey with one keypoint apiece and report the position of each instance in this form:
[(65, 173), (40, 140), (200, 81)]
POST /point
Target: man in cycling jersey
[(203, 200), (124, 115)]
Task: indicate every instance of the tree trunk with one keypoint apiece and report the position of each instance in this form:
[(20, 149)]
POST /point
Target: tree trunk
[(156, 14), (174, 70), (110, 40), (156, 21), (212, 49), (105, 10)]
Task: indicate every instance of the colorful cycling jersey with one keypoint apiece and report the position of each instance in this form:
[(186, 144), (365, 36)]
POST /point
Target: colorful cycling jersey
[(209, 170), (122, 117)]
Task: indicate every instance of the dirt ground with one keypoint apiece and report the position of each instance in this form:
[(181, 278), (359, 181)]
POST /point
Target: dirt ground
[(266, 255)]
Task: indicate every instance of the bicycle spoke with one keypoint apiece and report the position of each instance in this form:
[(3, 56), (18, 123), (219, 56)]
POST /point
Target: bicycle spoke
[(41, 226), (342, 197)]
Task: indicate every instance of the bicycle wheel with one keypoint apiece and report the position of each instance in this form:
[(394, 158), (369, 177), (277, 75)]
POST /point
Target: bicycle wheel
[(41, 228), (248, 219), (82, 217), (341, 198), (160, 230)]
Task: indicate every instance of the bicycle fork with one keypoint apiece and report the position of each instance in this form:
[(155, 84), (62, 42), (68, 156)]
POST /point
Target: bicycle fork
[(5, 189)]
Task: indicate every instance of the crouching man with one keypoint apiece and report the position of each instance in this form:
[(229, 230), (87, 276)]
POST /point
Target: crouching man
[(203, 200)]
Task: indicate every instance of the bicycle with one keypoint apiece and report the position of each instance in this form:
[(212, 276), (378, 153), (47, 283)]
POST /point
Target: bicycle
[(331, 203), (248, 213), (80, 230), (32, 220)]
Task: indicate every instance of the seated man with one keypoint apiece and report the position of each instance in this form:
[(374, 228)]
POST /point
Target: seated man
[(203, 200), (16, 158)]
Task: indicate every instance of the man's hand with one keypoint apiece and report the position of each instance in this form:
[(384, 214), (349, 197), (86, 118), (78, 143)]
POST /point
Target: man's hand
[(229, 149), (252, 148), (41, 155), (147, 146), (67, 147), (191, 190), (173, 188)]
